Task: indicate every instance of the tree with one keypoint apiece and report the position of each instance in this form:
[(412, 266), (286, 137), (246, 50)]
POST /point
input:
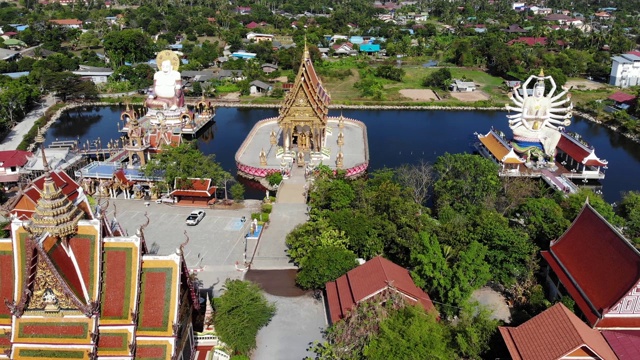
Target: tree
[(438, 79), (410, 333), (418, 178), (128, 45), (311, 235), (237, 192), (573, 204), (465, 180), (390, 72), (323, 264), (629, 210), (473, 331), (448, 276), (182, 162), (239, 313), (543, 220)]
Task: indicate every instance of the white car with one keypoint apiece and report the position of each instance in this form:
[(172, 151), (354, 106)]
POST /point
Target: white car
[(195, 217)]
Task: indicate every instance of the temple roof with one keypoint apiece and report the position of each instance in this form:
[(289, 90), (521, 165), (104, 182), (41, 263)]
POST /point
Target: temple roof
[(554, 334), (595, 263), (369, 279), (579, 151), (307, 99), (193, 187), (499, 148)]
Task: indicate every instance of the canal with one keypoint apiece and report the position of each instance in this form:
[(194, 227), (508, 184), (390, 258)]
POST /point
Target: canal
[(395, 137)]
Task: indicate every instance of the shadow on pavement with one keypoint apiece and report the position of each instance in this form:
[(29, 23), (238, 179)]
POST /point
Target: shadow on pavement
[(277, 282)]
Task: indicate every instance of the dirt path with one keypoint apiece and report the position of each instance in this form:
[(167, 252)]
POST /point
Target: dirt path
[(276, 282)]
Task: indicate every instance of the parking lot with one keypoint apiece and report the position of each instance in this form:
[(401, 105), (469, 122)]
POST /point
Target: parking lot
[(215, 244)]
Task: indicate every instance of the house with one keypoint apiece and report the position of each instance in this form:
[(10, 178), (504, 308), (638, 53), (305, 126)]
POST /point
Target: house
[(68, 23), (343, 49), (554, 334), (232, 75), (370, 48), (11, 162), (463, 86), (625, 70), (37, 52), (9, 55), (198, 192), (244, 55), (259, 37), (97, 75), (252, 25), (594, 264), (369, 279), (532, 41), (269, 68), (59, 158), (514, 29), (243, 10), (259, 87), (622, 100), (559, 18)]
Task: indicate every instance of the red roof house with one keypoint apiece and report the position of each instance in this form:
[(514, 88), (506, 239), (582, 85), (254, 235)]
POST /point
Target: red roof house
[(70, 23), (599, 269), (556, 333), (193, 191), (531, 41), (11, 161), (369, 279), (580, 152), (252, 25), (622, 98)]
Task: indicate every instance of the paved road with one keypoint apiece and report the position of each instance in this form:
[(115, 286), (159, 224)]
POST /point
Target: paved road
[(15, 136), (215, 245)]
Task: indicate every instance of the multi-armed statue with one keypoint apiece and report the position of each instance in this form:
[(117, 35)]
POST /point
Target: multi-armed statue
[(539, 115)]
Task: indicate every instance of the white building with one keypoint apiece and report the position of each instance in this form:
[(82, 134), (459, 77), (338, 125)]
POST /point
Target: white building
[(625, 70), (97, 75)]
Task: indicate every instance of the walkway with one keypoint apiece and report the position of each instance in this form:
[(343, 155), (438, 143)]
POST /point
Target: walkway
[(289, 211), (15, 136)]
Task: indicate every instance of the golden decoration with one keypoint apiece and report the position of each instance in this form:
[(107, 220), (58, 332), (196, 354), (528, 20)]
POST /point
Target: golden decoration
[(168, 55), (46, 280)]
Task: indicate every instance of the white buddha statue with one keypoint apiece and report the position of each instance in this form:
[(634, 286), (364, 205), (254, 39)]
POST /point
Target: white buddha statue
[(167, 83), (539, 116)]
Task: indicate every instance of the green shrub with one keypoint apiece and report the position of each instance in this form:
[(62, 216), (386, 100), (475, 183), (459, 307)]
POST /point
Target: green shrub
[(274, 178), (264, 217), (266, 208)]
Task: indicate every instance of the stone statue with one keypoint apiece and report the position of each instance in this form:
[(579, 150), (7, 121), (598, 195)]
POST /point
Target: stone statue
[(539, 116), (340, 160), (272, 138), (167, 83)]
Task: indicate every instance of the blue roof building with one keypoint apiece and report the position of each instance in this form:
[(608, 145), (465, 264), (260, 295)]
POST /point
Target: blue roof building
[(370, 48)]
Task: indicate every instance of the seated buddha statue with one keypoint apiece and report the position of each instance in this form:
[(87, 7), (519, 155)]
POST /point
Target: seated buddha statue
[(167, 83)]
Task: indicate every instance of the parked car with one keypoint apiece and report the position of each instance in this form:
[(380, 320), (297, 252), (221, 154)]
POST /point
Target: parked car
[(195, 217)]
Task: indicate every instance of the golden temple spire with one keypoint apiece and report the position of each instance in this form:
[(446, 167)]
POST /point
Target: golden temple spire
[(306, 49), (55, 214), (541, 72)]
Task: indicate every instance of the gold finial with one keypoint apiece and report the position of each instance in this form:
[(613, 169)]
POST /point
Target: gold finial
[(541, 72), (306, 48), (39, 138)]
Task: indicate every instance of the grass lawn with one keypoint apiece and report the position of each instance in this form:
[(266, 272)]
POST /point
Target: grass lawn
[(341, 89)]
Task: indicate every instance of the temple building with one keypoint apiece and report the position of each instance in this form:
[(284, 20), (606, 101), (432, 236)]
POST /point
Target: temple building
[(303, 135), (75, 285), (599, 269)]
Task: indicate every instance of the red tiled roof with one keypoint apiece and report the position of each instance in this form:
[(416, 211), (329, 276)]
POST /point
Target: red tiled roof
[(367, 280), (553, 334), (634, 52), (252, 25), (62, 180), (624, 343), (7, 280), (595, 263), (9, 158), (580, 152), (66, 22), (621, 97), (529, 40), (193, 187)]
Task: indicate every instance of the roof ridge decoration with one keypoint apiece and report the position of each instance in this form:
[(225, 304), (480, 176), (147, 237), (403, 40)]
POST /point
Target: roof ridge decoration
[(55, 214), (308, 100)]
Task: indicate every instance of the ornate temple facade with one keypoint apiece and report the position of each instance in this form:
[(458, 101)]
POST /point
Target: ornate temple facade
[(304, 134), (75, 285), (304, 113)]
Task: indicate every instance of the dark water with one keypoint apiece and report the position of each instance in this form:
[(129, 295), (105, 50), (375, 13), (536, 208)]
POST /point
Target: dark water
[(395, 137)]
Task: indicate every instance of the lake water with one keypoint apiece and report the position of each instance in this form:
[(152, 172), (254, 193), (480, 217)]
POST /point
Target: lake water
[(395, 137)]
